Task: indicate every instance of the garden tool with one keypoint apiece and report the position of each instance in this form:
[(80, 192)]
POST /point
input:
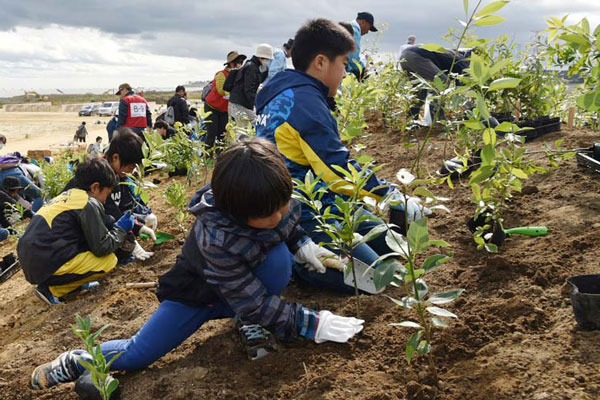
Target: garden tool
[(8, 267), (527, 231)]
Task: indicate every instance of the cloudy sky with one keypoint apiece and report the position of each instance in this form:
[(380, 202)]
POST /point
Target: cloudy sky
[(76, 44)]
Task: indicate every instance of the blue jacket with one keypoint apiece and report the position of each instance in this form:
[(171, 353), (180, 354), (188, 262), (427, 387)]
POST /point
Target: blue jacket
[(278, 64), (354, 58), (294, 114)]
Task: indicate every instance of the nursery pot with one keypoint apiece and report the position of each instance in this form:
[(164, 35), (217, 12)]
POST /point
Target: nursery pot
[(585, 298), (398, 217), (9, 260), (86, 390), (498, 234)]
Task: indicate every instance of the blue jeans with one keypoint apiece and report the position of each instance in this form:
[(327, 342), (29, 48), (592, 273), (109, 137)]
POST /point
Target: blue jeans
[(4, 234), (333, 279), (173, 322), (29, 188)]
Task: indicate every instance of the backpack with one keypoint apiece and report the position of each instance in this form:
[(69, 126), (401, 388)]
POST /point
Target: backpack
[(206, 90), (235, 75), (170, 115)]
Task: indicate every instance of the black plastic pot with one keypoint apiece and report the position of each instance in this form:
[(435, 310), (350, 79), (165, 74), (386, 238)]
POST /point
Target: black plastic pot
[(9, 260), (398, 217), (86, 390), (503, 117), (178, 172), (585, 298), (498, 234), (541, 126)]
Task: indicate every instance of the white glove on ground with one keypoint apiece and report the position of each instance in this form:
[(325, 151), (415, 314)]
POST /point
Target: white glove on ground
[(148, 231), (309, 255), (335, 328), (151, 221), (141, 254)]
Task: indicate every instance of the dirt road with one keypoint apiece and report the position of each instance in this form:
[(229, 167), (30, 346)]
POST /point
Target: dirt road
[(46, 130)]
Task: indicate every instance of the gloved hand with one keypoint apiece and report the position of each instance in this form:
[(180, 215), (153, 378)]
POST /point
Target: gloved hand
[(415, 210), (309, 255), (141, 254), (145, 229), (126, 221), (151, 221), (335, 328)]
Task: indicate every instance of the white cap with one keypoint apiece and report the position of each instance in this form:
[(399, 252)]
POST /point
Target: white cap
[(264, 50)]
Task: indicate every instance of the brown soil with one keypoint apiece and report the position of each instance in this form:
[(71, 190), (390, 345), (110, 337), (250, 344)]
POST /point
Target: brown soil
[(516, 337)]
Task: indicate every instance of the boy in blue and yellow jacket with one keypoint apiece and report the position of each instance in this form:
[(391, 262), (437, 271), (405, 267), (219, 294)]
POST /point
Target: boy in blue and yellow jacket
[(294, 112)]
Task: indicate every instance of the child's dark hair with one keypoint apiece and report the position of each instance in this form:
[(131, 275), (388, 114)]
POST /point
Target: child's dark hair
[(98, 138), (320, 36), (250, 180), (127, 145), (347, 26), (161, 125), (93, 170)]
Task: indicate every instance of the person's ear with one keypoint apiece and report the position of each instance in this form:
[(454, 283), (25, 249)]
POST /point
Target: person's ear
[(95, 188), (320, 62)]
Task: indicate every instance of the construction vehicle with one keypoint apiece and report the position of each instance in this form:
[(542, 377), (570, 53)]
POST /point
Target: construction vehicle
[(34, 96)]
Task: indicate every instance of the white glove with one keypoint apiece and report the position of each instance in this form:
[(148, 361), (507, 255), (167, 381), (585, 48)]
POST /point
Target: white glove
[(151, 221), (335, 328), (148, 231), (309, 255), (141, 254), (415, 210)]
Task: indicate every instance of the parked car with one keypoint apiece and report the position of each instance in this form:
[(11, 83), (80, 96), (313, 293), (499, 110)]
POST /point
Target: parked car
[(108, 108), (89, 109), (86, 110)]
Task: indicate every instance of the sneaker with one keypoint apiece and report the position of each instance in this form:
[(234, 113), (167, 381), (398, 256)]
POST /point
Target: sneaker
[(43, 293), (90, 285), (61, 370)]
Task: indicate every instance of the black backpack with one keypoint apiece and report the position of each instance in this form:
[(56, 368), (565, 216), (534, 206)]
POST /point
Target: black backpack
[(235, 76), (206, 90)]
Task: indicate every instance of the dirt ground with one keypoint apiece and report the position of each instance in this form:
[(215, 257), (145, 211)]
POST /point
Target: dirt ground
[(516, 337), (46, 130)]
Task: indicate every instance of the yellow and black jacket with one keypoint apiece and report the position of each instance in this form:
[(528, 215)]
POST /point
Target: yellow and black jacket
[(72, 223)]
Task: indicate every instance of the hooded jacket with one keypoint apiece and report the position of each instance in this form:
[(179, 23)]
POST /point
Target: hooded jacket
[(180, 107), (246, 86), (72, 223), (294, 113), (216, 264)]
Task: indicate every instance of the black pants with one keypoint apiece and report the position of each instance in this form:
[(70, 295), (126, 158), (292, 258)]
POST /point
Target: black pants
[(215, 125)]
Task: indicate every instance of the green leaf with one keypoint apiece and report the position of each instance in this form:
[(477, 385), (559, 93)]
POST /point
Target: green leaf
[(407, 324), (396, 242), (423, 348), (411, 345), (575, 38), (491, 8), (418, 235), (466, 6), (372, 234), (590, 101), (487, 155), (519, 173), (112, 386), (489, 137), (490, 20), (440, 312), (504, 83), (445, 297), (384, 273), (423, 192), (434, 47), (440, 323), (439, 243), (434, 261)]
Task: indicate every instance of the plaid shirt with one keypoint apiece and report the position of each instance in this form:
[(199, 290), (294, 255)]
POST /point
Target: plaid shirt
[(226, 253)]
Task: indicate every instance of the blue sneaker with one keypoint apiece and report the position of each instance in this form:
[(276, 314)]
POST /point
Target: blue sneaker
[(90, 285), (43, 293), (62, 370)]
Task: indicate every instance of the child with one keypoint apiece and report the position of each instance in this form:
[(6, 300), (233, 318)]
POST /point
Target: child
[(9, 198), (67, 244), (123, 154), (236, 260), (294, 113), (81, 133), (95, 148)]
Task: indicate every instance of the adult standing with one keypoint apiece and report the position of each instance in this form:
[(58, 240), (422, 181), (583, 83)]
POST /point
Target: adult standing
[(363, 24), (81, 133), (134, 112), (180, 105), (247, 81), (217, 100), (279, 63)]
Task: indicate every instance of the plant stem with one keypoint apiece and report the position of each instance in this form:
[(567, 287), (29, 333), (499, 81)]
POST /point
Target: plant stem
[(356, 293)]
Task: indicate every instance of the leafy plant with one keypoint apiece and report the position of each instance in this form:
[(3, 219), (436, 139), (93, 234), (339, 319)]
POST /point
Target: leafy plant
[(98, 366), (418, 300), (57, 174), (355, 98), (175, 194), (342, 223)]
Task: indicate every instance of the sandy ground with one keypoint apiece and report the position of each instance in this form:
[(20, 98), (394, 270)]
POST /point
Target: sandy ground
[(46, 130)]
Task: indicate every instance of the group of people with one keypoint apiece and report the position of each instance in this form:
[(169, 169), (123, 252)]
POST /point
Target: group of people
[(249, 236)]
